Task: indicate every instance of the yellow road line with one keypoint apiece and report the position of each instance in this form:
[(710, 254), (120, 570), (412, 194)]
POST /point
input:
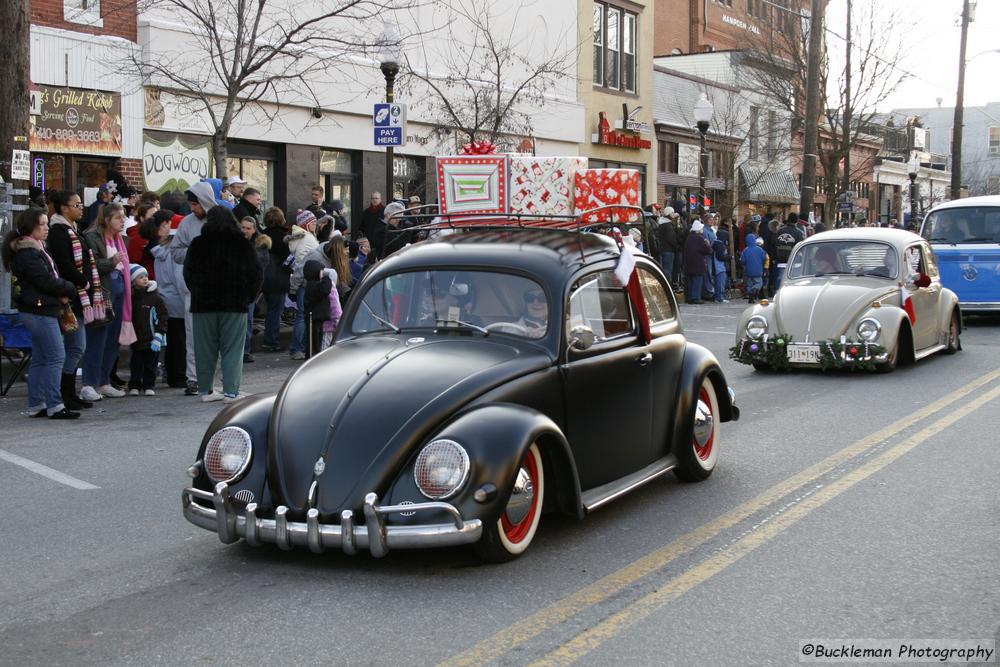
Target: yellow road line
[(558, 612), (676, 587)]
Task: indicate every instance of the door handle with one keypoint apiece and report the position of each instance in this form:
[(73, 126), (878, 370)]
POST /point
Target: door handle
[(644, 359)]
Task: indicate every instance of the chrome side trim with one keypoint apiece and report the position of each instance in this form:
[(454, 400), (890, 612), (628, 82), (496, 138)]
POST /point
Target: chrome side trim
[(602, 495), (222, 518), (928, 351)]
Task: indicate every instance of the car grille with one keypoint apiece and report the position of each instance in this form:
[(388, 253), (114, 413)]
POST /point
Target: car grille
[(245, 496)]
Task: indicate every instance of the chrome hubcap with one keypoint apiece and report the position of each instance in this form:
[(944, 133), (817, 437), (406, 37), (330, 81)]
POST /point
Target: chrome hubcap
[(703, 424), (521, 497)]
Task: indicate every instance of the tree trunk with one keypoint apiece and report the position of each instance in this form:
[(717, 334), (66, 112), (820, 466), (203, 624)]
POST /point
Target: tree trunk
[(15, 77), (220, 152)]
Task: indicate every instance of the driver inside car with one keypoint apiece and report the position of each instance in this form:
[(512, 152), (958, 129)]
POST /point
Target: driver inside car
[(535, 317), (826, 261)]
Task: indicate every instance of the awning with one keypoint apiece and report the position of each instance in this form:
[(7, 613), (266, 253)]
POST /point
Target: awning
[(777, 187)]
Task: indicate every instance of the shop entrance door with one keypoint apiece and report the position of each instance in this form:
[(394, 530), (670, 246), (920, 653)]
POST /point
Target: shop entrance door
[(338, 186)]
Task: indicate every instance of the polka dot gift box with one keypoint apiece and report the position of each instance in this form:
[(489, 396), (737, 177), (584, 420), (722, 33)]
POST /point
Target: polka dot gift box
[(543, 185), (472, 183), (603, 187)]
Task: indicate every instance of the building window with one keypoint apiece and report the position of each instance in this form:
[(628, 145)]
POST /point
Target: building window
[(993, 185), (995, 141), (727, 3), (757, 9), (259, 175), (616, 41), (753, 137), (84, 12), (668, 157), (772, 134)]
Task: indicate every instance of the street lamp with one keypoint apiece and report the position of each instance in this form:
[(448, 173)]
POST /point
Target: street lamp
[(914, 168), (389, 57), (703, 111)]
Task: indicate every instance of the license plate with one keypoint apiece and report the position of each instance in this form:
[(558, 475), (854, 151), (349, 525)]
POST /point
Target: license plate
[(803, 354)]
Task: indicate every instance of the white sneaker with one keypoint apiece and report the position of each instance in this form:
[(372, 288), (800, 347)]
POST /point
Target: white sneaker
[(133, 392), (88, 393), (109, 391), (211, 397), (233, 399), (149, 392)]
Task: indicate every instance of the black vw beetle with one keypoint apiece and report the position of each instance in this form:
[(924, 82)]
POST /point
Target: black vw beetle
[(476, 381)]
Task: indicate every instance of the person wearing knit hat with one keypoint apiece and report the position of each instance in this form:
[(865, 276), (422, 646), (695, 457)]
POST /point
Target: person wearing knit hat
[(149, 315), (696, 250), (397, 229), (697, 227), (301, 241), (304, 218)]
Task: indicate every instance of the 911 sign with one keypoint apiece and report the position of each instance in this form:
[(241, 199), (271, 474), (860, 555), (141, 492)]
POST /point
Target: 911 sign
[(390, 124)]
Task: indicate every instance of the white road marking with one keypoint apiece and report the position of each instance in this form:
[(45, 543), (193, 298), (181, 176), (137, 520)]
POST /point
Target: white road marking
[(46, 471), (724, 333)]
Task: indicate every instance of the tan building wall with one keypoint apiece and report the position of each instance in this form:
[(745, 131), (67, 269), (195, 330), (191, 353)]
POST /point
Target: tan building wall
[(597, 99)]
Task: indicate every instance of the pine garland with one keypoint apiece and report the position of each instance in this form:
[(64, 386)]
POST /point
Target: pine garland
[(770, 352), (848, 355)]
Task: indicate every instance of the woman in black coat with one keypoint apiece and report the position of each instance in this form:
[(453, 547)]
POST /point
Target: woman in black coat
[(42, 295), (276, 277), (222, 273)]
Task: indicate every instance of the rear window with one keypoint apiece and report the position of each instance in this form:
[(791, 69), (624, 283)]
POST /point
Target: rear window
[(972, 224)]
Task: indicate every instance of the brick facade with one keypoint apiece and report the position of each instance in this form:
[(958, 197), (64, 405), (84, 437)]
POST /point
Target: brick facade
[(131, 169), (696, 26), (118, 16)]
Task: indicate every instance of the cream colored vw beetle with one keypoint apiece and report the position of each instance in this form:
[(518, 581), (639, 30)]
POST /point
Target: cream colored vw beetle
[(863, 299)]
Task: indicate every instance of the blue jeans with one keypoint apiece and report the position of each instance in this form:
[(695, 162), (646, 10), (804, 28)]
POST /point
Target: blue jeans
[(102, 342), (272, 319), (248, 345), (708, 289), (693, 292), (75, 343), (299, 328), (754, 283), (779, 274), (47, 356), (667, 264), (720, 286)]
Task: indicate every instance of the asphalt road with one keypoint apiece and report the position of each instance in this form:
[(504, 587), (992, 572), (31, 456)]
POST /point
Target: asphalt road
[(844, 506)]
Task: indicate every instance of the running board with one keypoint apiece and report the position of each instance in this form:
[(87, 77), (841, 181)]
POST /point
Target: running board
[(917, 356), (602, 495)]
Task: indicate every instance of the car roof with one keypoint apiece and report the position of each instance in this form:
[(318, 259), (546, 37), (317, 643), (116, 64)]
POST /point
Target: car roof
[(549, 254), (988, 200), (895, 237)]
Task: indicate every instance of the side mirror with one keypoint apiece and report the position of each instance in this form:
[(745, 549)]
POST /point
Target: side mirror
[(581, 338)]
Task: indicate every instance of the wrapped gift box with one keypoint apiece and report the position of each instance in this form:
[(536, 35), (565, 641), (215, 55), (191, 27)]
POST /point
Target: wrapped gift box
[(472, 184), (606, 187), (544, 185)]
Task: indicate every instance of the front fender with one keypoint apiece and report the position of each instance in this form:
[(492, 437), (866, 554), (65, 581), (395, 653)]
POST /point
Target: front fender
[(948, 305), (699, 363), (252, 414), (496, 436), (767, 311)]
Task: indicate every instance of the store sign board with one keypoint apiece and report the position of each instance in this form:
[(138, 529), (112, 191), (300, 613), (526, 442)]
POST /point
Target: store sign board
[(172, 162), (624, 139), (687, 159), (76, 120)]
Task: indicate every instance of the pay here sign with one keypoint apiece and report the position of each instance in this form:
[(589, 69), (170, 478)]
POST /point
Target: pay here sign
[(389, 122)]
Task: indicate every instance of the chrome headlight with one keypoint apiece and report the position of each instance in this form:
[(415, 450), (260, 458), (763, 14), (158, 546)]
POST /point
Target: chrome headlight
[(756, 327), (227, 454), (442, 469), (869, 330)]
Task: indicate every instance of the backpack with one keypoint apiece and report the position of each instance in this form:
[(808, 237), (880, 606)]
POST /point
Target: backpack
[(721, 251)]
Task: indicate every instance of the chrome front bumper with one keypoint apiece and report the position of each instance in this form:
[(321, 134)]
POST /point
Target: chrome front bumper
[(374, 536)]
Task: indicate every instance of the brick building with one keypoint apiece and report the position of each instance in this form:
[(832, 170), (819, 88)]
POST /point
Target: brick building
[(86, 108), (697, 26)]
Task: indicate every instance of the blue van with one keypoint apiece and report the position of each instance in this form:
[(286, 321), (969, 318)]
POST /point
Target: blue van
[(965, 235)]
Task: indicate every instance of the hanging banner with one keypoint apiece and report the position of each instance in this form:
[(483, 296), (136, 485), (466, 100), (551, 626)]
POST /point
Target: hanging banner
[(173, 162), (76, 120)]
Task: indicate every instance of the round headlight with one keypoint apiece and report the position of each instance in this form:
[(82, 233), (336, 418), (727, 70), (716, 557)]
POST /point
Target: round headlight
[(869, 330), (756, 327), (227, 454), (441, 469)]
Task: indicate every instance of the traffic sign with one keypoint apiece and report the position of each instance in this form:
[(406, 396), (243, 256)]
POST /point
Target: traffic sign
[(389, 121)]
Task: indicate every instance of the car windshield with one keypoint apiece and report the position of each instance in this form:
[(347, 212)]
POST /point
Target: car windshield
[(972, 224), (858, 258), (481, 301)]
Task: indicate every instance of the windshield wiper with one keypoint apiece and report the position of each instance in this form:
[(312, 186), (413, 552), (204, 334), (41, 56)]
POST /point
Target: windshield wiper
[(976, 239), (469, 325), (378, 319)]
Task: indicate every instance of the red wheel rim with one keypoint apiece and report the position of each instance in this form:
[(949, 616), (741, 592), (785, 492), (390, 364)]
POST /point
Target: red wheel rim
[(516, 532), (703, 452)]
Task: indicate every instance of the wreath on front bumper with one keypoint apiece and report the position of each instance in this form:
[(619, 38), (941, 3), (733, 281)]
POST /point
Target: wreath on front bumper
[(767, 351), (855, 356)]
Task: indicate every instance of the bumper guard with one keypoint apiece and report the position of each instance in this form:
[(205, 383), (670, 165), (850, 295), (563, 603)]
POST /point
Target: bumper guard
[(374, 536)]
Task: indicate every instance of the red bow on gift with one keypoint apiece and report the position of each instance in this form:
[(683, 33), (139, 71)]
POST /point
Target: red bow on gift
[(479, 148)]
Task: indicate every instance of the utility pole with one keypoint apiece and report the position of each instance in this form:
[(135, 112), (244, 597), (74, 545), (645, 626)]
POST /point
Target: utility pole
[(846, 187), (15, 75), (956, 128), (812, 107)]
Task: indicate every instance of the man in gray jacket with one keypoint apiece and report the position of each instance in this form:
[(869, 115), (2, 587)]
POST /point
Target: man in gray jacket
[(200, 198)]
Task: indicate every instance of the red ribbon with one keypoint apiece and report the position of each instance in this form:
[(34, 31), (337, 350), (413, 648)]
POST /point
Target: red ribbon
[(479, 148)]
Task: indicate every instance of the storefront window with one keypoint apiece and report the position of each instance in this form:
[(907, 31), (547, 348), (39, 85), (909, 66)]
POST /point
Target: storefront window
[(409, 178), (259, 174), (54, 169), (90, 174), (336, 177), (335, 162)]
